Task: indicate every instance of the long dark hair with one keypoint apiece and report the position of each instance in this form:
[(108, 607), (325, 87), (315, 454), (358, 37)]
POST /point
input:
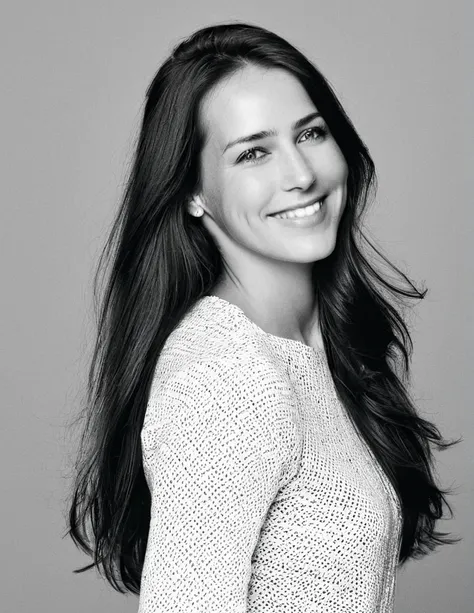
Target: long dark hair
[(162, 260)]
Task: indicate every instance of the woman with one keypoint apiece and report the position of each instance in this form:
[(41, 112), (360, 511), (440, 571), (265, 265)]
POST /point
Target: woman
[(249, 444)]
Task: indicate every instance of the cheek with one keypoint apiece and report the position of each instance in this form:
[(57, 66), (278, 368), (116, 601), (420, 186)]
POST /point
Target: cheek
[(335, 164), (249, 189)]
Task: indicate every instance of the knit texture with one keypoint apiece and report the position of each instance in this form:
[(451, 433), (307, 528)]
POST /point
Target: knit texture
[(264, 497)]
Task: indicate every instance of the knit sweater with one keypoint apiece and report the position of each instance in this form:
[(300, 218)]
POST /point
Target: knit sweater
[(264, 498)]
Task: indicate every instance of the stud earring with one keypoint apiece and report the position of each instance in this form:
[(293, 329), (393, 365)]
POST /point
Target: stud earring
[(197, 211)]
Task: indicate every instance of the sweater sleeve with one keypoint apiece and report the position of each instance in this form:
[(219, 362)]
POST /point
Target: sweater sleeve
[(218, 442)]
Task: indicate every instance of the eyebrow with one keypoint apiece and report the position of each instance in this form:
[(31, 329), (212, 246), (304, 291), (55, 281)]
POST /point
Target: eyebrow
[(266, 133)]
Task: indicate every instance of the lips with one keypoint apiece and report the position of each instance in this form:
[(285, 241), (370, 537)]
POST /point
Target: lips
[(299, 206)]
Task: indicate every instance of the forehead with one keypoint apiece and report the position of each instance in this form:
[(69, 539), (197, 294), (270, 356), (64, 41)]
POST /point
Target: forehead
[(252, 99)]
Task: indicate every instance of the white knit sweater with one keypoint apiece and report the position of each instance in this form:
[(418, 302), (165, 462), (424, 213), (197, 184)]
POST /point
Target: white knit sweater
[(264, 498)]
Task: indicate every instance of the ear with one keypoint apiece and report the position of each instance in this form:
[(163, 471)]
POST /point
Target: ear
[(197, 200)]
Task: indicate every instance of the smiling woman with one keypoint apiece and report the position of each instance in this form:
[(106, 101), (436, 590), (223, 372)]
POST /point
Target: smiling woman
[(249, 443), (299, 164)]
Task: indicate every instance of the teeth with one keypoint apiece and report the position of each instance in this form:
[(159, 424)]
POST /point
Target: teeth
[(303, 212)]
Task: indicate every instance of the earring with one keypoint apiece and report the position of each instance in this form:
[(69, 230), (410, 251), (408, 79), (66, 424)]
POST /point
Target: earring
[(198, 212)]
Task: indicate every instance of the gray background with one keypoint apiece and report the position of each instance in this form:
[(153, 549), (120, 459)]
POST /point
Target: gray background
[(74, 76)]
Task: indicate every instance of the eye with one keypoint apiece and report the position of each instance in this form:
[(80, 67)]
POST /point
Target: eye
[(319, 131), (245, 156)]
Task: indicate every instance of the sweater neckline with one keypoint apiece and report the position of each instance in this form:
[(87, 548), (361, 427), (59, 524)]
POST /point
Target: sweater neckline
[(278, 339)]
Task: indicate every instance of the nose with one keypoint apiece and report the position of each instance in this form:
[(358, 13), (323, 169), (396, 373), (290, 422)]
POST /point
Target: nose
[(296, 172)]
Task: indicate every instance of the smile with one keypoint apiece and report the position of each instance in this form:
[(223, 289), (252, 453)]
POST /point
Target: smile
[(306, 211), (305, 217)]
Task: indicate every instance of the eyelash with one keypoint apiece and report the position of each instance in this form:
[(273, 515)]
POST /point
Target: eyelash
[(321, 130)]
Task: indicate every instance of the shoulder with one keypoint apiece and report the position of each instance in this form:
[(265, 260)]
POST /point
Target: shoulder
[(236, 393), (216, 343), (242, 380), (215, 361)]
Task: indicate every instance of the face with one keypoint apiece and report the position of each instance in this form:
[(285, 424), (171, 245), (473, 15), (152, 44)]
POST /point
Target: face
[(243, 183)]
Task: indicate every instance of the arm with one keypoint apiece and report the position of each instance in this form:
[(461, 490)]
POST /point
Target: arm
[(218, 443)]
